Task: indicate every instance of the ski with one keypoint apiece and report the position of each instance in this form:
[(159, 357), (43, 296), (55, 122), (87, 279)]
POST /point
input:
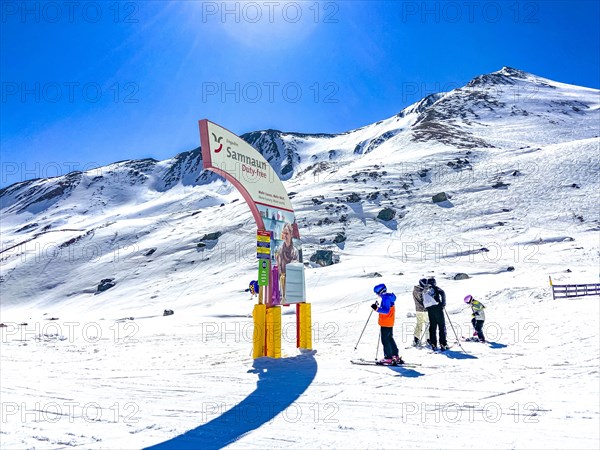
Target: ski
[(364, 362), (472, 339), (490, 344), (439, 350)]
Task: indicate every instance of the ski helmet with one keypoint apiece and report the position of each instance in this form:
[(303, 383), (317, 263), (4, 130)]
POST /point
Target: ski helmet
[(431, 281), (468, 298), (423, 282), (380, 289), (253, 287)]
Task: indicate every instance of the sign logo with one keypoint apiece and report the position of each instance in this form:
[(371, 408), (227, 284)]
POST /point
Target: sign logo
[(218, 141)]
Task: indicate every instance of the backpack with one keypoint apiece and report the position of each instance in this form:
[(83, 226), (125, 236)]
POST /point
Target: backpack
[(429, 296)]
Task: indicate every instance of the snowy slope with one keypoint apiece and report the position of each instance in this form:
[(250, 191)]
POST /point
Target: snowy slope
[(518, 155)]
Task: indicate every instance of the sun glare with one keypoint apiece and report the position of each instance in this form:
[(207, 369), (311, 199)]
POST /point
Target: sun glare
[(269, 24)]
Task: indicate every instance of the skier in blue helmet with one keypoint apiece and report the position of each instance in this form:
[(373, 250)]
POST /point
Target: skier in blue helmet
[(253, 287), (387, 312)]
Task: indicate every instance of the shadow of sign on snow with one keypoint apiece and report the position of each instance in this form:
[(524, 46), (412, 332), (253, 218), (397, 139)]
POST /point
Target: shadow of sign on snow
[(280, 383)]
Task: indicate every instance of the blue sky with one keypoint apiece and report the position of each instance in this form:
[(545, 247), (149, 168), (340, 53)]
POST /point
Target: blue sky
[(89, 83)]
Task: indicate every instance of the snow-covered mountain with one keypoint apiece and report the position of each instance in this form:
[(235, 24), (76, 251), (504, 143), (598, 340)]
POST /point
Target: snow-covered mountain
[(501, 129), (513, 161)]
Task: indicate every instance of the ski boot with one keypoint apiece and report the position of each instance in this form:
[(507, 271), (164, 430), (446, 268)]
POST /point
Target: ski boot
[(385, 362), (398, 361)]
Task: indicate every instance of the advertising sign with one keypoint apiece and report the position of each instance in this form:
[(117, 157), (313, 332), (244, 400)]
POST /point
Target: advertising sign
[(242, 165), (230, 156)]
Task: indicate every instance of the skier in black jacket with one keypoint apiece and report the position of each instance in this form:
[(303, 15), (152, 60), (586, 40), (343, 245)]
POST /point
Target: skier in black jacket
[(436, 317)]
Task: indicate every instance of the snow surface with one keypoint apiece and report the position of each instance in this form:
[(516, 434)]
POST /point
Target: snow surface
[(112, 372)]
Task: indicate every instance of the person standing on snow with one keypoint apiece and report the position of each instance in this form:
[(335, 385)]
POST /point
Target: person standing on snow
[(387, 312), (434, 299), (478, 316), (420, 312)]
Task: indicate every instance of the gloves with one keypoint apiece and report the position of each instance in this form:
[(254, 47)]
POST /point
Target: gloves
[(375, 306)]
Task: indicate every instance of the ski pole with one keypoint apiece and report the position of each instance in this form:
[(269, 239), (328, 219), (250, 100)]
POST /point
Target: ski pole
[(455, 335), (378, 341), (365, 327), (425, 328)]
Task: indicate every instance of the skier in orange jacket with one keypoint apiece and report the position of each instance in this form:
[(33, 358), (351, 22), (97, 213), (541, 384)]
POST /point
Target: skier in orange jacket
[(387, 312)]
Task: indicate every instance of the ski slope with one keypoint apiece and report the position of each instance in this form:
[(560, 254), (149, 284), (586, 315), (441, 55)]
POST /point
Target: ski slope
[(112, 372)]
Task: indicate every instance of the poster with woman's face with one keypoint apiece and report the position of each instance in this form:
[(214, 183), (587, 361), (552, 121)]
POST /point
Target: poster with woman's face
[(286, 251), (287, 248), (285, 243), (282, 224)]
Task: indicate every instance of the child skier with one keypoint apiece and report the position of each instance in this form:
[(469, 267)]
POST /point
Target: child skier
[(478, 316), (387, 312), (253, 288)]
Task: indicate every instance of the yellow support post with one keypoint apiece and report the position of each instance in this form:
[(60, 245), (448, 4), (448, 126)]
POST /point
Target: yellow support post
[(259, 315), (274, 332), (305, 326)]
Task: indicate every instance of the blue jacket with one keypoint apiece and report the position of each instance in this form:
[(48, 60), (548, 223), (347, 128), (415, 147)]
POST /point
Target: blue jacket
[(387, 301), (387, 310)]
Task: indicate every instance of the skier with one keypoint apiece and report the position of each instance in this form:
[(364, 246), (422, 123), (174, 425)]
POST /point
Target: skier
[(253, 288), (387, 312), (420, 312), (478, 316), (436, 314)]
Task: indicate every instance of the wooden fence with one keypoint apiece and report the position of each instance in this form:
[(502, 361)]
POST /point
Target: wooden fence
[(574, 290)]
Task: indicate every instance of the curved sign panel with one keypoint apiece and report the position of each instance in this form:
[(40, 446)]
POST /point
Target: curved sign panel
[(230, 156), (242, 165)]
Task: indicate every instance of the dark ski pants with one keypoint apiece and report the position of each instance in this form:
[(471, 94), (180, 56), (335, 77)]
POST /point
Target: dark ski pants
[(478, 325), (436, 320), (387, 340)]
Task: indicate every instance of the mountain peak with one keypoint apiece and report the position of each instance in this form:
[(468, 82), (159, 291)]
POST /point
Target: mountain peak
[(507, 75), (511, 72)]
